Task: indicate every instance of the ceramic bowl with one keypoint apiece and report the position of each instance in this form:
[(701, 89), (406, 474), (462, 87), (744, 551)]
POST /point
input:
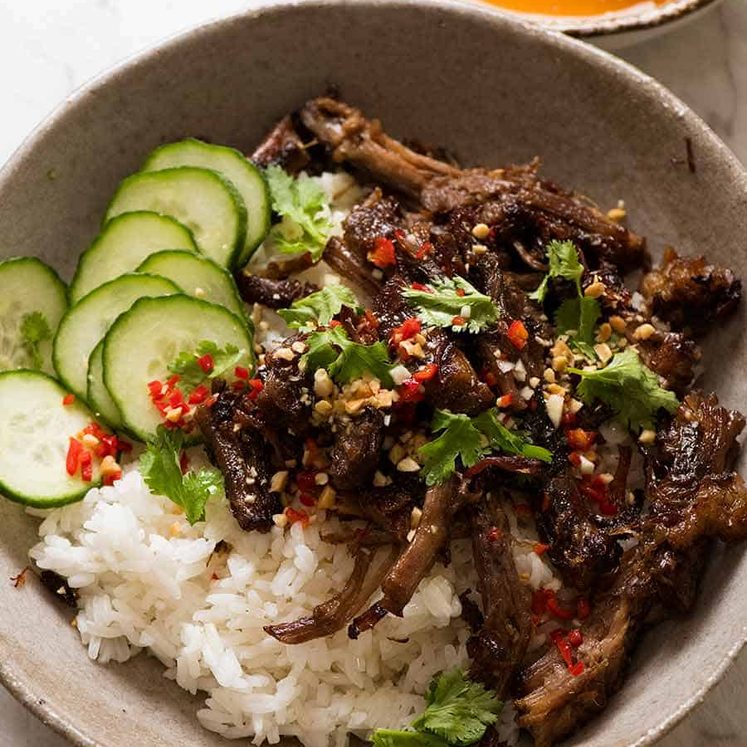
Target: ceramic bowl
[(620, 29), (491, 89)]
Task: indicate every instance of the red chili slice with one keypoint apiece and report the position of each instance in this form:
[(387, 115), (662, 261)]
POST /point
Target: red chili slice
[(86, 466), (206, 363), (426, 373), (410, 392), (74, 450), (518, 334), (383, 254), (241, 372), (68, 399)]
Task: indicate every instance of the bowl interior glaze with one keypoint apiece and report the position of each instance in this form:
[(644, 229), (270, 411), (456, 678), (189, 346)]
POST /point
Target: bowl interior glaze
[(491, 89)]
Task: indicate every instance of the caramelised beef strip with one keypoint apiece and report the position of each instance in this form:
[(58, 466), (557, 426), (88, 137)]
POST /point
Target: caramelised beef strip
[(377, 217), (442, 188), (333, 614), (275, 294), (241, 454), (354, 269), (441, 504), (499, 644), (690, 293), (282, 147), (356, 450), (695, 498), (581, 549), (353, 139)]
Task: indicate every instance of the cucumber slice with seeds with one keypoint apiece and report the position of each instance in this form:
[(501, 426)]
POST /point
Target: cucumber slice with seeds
[(86, 323), (27, 285), (97, 394), (197, 276), (237, 168), (159, 329), (123, 244), (34, 441), (202, 200)]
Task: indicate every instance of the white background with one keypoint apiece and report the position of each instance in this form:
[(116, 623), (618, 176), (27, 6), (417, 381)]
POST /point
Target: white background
[(49, 47)]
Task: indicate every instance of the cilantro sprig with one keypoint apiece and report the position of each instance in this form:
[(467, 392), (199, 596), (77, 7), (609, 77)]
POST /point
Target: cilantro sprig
[(578, 316), (320, 308), (35, 330), (160, 468), (344, 359), (629, 387), (457, 714), (469, 440), (305, 213), (447, 299), (223, 361)]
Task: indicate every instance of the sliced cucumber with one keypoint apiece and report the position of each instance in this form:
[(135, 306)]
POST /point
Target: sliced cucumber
[(197, 276), (143, 342), (203, 200), (27, 286), (86, 323), (34, 441), (238, 169), (123, 244), (98, 395)]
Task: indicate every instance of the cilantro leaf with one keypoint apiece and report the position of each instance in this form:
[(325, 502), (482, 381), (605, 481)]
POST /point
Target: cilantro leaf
[(457, 714), (224, 361), (502, 439), (344, 359), (448, 298), (578, 317), (319, 308), (563, 263), (458, 710), (35, 330), (304, 208), (460, 440), (629, 387), (160, 468)]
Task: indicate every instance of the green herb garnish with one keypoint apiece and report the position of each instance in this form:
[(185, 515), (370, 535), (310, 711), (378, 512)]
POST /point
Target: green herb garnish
[(457, 714), (629, 387), (35, 330), (469, 440), (223, 361), (304, 208), (320, 308), (448, 299), (160, 468), (344, 359), (578, 316)]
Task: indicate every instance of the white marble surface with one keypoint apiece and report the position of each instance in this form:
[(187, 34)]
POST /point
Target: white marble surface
[(48, 47)]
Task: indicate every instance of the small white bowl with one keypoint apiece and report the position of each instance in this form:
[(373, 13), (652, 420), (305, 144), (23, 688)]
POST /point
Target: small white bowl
[(622, 28)]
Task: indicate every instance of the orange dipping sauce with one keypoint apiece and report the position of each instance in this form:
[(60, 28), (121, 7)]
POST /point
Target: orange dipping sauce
[(568, 7)]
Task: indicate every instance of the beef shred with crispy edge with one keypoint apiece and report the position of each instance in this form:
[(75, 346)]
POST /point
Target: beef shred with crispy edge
[(491, 227)]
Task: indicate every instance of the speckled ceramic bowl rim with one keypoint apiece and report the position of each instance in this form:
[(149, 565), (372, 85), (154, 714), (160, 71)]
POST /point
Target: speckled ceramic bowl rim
[(590, 27), (46, 711)]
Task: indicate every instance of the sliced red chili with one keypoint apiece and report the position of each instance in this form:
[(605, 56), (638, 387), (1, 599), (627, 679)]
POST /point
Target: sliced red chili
[(295, 515), (426, 373), (540, 548), (410, 392), (255, 387), (421, 287), (556, 610), (86, 466), (306, 481), (199, 395), (505, 400), (68, 399), (575, 637), (425, 249), (206, 363), (241, 372), (383, 254), (74, 450), (458, 321), (518, 334)]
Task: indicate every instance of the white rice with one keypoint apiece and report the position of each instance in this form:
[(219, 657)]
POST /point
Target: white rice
[(147, 580)]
